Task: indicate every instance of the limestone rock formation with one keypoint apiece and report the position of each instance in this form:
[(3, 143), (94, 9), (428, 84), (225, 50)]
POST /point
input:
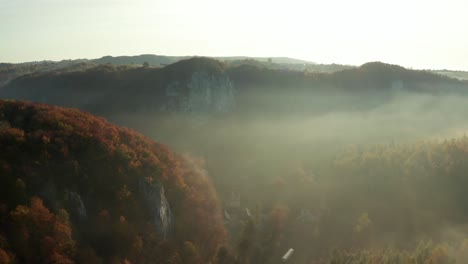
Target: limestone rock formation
[(158, 206)]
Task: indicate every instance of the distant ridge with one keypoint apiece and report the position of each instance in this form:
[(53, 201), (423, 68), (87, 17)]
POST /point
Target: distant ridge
[(208, 86), (10, 71), (157, 60)]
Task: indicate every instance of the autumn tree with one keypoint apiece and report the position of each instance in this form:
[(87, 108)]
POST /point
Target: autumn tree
[(40, 236)]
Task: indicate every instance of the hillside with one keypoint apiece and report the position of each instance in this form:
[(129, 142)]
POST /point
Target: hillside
[(207, 86), (461, 75), (386, 203), (75, 188), (108, 88), (10, 71)]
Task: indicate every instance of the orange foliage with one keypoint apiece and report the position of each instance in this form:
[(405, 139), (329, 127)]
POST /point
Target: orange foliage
[(44, 237), (4, 257), (77, 151)]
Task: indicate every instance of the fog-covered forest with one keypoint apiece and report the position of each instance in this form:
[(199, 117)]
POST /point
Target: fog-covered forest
[(352, 165)]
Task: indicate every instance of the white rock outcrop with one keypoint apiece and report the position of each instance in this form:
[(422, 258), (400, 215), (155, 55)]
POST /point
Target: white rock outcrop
[(157, 204), (204, 93), (77, 206)]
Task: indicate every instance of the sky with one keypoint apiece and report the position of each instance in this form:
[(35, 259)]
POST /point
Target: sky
[(421, 34)]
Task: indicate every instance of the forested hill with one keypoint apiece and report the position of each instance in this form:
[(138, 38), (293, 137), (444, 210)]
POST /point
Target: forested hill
[(10, 71), (203, 85), (77, 189)]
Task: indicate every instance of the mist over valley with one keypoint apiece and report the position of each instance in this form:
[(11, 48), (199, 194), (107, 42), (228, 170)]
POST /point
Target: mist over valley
[(337, 162)]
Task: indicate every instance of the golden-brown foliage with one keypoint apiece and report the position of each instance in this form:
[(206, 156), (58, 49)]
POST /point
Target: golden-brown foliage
[(50, 151)]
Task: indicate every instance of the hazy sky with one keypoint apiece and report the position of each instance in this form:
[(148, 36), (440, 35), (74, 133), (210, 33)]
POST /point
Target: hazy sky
[(412, 33)]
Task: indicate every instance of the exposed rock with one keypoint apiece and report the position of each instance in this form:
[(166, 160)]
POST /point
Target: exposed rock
[(77, 207), (397, 86), (158, 206), (173, 89), (204, 93), (210, 93)]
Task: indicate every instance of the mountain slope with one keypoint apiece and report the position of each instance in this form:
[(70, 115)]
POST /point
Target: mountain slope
[(203, 85), (10, 71), (111, 192)]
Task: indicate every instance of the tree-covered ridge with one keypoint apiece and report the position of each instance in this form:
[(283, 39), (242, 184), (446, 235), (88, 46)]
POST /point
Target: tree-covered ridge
[(424, 253), (423, 184), (53, 157), (109, 89), (370, 204), (406, 192)]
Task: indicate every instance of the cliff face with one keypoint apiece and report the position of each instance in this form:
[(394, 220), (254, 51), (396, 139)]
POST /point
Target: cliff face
[(210, 93), (76, 205), (201, 87), (197, 86), (157, 205), (204, 93), (151, 193)]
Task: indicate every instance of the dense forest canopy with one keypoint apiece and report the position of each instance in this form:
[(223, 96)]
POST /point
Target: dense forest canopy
[(71, 190), (246, 88)]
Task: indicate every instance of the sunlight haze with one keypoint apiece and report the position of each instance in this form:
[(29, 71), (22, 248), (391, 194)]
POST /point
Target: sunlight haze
[(233, 132)]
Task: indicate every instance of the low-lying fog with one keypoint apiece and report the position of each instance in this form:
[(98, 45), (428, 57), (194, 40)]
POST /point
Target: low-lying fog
[(247, 144), (289, 159)]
